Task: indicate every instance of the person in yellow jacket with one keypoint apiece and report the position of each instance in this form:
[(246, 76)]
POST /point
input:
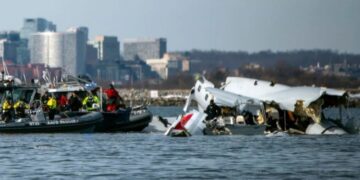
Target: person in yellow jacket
[(51, 104), (20, 106), (7, 108), (91, 102)]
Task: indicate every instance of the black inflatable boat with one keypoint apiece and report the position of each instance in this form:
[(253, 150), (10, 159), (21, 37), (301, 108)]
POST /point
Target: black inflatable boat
[(73, 123)]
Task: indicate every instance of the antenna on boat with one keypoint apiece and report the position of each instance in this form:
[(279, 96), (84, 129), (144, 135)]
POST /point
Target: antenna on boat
[(46, 76), (24, 76)]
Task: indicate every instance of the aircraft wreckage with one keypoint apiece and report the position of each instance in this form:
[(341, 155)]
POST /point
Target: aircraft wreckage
[(250, 106)]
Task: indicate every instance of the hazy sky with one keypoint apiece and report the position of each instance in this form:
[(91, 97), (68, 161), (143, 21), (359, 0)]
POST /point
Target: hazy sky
[(251, 25)]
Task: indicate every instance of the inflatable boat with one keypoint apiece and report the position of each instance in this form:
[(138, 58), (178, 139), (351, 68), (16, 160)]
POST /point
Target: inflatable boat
[(63, 123)]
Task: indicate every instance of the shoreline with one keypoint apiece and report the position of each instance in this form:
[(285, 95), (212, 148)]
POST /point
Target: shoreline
[(173, 97)]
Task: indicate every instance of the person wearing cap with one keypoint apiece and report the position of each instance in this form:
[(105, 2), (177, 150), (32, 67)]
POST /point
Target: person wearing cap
[(7, 107), (91, 102), (20, 106)]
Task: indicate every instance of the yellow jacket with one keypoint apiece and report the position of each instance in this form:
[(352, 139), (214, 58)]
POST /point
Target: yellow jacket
[(21, 104), (51, 103), (6, 105), (89, 101)]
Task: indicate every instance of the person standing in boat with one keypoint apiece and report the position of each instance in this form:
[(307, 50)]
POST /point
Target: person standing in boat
[(74, 102), (114, 99), (36, 103), (7, 108), (51, 105), (91, 102), (20, 106), (44, 99), (63, 102), (212, 110)]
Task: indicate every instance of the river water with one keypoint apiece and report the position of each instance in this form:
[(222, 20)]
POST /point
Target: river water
[(154, 156)]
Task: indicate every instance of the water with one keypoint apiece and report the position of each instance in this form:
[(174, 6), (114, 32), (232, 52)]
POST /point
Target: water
[(153, 156), (166, 111)]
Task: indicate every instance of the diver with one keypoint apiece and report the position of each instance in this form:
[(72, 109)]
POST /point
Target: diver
[(212, 110), (164, 121), (249, 118)]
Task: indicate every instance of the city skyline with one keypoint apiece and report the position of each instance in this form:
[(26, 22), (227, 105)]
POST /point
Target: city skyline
[(222, 25)]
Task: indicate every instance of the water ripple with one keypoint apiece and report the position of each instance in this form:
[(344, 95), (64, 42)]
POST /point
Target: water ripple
[(154, 156)]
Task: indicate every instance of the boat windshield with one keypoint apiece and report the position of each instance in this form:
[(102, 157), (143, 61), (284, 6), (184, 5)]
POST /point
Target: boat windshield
[(16, 94)]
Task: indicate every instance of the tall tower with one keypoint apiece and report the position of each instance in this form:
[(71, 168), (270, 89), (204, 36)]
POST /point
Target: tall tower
[(60, 49), (34, 25), (108, 48)]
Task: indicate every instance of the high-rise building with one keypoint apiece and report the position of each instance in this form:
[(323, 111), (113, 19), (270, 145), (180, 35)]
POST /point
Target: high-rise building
[(64, 49), (22, 52), (31, 26), (10, 44), (8, 50), (34, 25), (81, 34), (91, 55), (108, 48), (144, 48), (10, 35)]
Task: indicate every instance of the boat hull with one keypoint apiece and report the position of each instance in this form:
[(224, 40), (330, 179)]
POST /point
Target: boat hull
[(125, 120), (66, 124)]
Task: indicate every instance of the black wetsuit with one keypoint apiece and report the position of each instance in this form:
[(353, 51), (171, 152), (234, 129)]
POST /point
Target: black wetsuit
[(212, 111)]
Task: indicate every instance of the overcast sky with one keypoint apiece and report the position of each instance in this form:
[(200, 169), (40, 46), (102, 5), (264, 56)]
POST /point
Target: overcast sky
[(232, 25)]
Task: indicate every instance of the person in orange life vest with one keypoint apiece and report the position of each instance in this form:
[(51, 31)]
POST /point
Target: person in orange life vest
[(63, 102), (111, 107), (114, 99)]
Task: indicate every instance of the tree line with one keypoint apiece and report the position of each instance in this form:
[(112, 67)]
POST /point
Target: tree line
[(280, 67)]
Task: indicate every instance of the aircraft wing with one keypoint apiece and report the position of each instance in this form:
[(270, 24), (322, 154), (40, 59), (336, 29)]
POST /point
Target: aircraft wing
[(285, 96), (288, 97), (224, 98), (252, 88)]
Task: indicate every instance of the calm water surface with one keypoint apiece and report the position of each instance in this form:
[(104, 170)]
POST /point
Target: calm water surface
[(154, 156)]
